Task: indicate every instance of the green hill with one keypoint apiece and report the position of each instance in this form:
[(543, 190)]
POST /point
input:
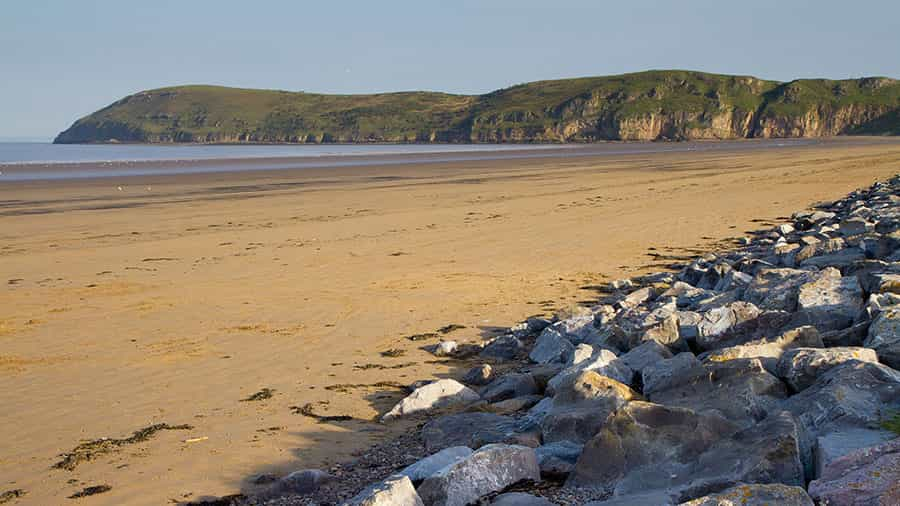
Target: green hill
[(653, 105)]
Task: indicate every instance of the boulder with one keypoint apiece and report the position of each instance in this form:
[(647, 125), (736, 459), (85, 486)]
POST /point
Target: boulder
[(478, 375), (777, 289), (647, 447), (829, 301), (516, 404), (637, 297), (645, 355), (756, 495), (559, 458), (396, 490), (850, 395), (884, 336), (657, 498), (474, 430), (768, 351), (490, 469), (303, 482), (866, 476), (835, 445), (426, 467), (520, 499), (508, 386), (551, 346), (717, 325), (581, 353), (668, 373), (800, 367), (854, 226), (506, 347), (741, 390), (604, 362), (443, 393), (666, 332), (580, 406)]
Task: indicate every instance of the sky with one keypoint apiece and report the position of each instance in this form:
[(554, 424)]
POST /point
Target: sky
[(63, 59)]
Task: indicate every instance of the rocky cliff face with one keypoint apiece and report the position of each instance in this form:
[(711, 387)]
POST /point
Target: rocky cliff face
[(656, 105)]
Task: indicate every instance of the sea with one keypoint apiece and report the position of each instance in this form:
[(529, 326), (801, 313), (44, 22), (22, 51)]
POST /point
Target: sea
[(26, 161)]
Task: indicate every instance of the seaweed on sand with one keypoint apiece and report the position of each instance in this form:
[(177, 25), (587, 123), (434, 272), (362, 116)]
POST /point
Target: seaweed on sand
[(90, 450)]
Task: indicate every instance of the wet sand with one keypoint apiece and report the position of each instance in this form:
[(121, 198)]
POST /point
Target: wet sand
[(177, 297)]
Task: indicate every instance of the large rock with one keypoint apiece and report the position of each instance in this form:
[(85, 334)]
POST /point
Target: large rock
[(302, 482), (777, 289), (580, 406), (829, 301), (718, 325), (647, 447), (864, 477), (551, 346), (774, 494), (559, 458), (768, 351), (520, 499), (741, 390), (645, 355), (884, 336), (506, 347), (835, 445), (851, 395), (509, 386), (490, 469), (665, 332), (396, 490), (800, 367), (671, 372), (426, 467), (475, 430), (656, 498), (603, 362), (440, 394)]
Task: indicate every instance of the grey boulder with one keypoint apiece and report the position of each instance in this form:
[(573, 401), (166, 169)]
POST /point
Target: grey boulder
[(426, 467), (829, 301), (800, 367), (866, 476), (509, 386), (741, 390), (551, 346), (559, 458), (580, 406), (520, 499), (439, 394), (490, 469), (396, 490), (884, 336), (474, 430), (756, 495), (646, 447)]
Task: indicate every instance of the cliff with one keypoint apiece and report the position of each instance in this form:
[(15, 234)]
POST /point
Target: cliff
[(654, 105)]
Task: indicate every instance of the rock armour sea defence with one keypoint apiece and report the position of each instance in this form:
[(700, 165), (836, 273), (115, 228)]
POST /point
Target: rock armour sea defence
[(768, 378)]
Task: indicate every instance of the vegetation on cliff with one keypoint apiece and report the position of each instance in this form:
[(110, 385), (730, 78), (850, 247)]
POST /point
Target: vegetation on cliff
[(653, 105)]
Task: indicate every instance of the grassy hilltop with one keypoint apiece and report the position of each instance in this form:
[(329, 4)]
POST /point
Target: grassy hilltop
[(652, 105)]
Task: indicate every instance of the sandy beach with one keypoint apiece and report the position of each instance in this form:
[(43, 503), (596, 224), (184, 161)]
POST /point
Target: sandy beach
[(232, 306)]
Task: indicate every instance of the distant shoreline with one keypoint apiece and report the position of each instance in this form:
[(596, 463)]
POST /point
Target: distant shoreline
[(97, 169)]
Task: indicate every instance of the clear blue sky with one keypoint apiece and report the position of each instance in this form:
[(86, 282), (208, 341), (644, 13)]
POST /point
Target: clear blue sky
[(62, 59)]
